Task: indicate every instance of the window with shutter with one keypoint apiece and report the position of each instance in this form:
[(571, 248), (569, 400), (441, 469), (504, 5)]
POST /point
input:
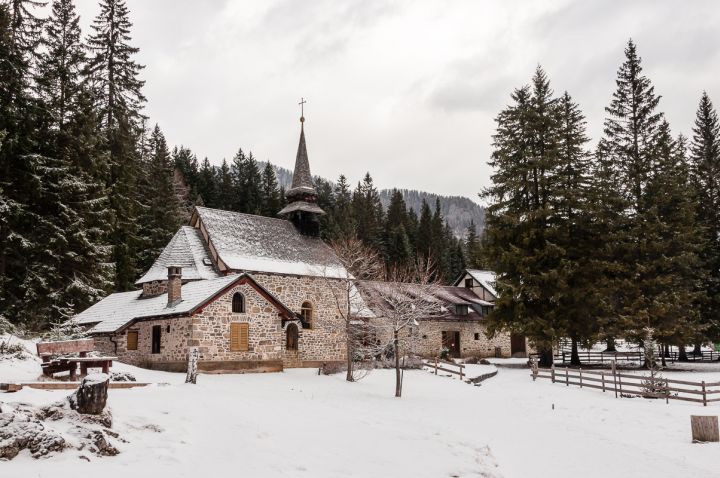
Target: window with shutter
[(132, 340), (239, 337)]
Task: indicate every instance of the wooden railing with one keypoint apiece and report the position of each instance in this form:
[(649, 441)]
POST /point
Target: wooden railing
[(631, 385), (587, 356), (440, 364)]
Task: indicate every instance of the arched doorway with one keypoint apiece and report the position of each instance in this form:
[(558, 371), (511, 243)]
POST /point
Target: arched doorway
[(292, 339)]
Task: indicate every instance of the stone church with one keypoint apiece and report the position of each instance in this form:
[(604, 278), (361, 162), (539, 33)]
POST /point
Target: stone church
[(253, 294)]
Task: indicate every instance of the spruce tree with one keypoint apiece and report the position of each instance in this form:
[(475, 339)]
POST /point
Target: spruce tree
[(270, 192), (705, 173), (627, 153), (114, 75)]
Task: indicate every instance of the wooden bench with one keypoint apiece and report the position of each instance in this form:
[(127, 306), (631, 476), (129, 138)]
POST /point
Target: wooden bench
[(51, 366)]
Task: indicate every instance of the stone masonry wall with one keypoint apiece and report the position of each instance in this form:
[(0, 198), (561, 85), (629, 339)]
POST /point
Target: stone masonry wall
[(173, 344), (324, 341), (426, 339)]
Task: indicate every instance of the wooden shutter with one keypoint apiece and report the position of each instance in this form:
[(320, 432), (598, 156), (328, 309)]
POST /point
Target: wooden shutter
[(132, 340), (239, 337)]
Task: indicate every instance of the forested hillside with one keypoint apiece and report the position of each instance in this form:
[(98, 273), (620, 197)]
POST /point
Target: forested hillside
[(458, 211)]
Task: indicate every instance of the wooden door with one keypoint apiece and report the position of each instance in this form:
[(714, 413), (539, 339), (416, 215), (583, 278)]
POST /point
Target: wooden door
[(517, 345), (451, 341), (156, 337)]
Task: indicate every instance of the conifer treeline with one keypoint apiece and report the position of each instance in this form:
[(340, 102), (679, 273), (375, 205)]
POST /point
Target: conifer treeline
[(604, 244), (86, 196), (400, 234)]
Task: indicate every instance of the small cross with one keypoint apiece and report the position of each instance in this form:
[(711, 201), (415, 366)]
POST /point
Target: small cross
[(302, 107)]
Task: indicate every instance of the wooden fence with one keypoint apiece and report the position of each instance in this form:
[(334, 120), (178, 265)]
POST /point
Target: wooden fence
[(587, 356), (629, 385), (440, 364)]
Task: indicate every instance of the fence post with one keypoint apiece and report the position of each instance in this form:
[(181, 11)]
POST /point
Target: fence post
[(552, 372), (436, 360), (567, 379), (602, 375), (461, 373), (620, 383), (704, 394), (581, 378), (614, 378)]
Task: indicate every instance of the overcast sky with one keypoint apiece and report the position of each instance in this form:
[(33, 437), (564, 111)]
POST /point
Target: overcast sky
[(407, 90)]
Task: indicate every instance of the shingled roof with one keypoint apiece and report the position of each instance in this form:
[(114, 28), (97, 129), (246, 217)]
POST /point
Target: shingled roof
[(117, 311), (445, 296), (245, 242), (302, 179), (187, 250)]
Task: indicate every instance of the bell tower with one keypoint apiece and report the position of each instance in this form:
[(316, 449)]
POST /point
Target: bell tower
[(302, 208)]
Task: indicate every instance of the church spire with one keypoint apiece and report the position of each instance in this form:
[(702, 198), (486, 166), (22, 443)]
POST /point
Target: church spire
[(302, 208)]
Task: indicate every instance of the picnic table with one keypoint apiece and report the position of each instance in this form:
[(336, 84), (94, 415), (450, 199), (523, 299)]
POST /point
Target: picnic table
[(54, 361)]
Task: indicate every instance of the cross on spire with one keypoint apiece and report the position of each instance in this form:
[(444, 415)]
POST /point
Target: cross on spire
[(302, 109)]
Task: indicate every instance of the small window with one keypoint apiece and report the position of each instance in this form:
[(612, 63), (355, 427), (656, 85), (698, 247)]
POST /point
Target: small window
[(207, 261), (238, 303), (461, 309), (132, 339), (477, 336), (468, 283), (156, 338), (239, 337), (306, 311)]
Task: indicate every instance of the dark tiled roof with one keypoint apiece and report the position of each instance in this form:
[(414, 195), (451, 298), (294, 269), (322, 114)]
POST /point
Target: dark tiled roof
[(187, 250), (447, 297)]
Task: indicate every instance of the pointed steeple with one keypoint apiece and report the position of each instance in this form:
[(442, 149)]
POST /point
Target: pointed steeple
[(302, 179), (302, 208)]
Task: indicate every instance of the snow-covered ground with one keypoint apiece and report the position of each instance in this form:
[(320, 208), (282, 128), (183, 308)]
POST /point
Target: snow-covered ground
[(297, 423)]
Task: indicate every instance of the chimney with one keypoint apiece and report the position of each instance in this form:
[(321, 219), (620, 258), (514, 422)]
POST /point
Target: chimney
[(174, 285)]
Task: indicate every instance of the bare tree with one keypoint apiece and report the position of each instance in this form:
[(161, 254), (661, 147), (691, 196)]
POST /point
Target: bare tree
[(406, 296), (359, 262)]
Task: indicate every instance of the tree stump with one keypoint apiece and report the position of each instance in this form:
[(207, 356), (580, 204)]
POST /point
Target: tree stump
[(91, 397), (704, 428), (193, 354)]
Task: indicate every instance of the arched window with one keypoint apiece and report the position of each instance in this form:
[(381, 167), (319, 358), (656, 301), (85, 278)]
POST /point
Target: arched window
[(238, 303), (291, 337), (306, 311)]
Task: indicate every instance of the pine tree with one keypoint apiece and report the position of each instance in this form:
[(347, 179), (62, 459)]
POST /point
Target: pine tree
[(19, 37), (270, 192), (398, 251), (518, 223), (627, 152), (161, 219), (226, 198), (368, 213), (705, 174), (207, 187), (114, 76), (342, 218)]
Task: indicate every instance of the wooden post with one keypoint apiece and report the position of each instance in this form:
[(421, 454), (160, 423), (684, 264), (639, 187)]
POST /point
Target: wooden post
[(620, 384), (580, 378), (704, 428), (552, 372), (461, 373), (602, 376), (567, 379), (436, 361), (704, 390), (614, 378)]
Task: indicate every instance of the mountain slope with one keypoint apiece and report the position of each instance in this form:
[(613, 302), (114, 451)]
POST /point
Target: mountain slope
[(457, 210)]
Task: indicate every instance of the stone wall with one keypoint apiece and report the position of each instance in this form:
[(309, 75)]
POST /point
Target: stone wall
[(156, 287), (426, 339), (209, 329), (174, 340)]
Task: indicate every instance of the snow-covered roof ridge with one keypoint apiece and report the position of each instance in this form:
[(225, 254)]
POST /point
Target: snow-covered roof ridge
[(186, 249), (250, 243), (485, 278), (119, 310)]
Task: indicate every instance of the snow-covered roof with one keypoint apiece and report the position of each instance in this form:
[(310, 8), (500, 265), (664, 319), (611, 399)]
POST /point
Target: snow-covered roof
[(485, 278), (372, 293), (118, 310), (187, 250), (245, 242)]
